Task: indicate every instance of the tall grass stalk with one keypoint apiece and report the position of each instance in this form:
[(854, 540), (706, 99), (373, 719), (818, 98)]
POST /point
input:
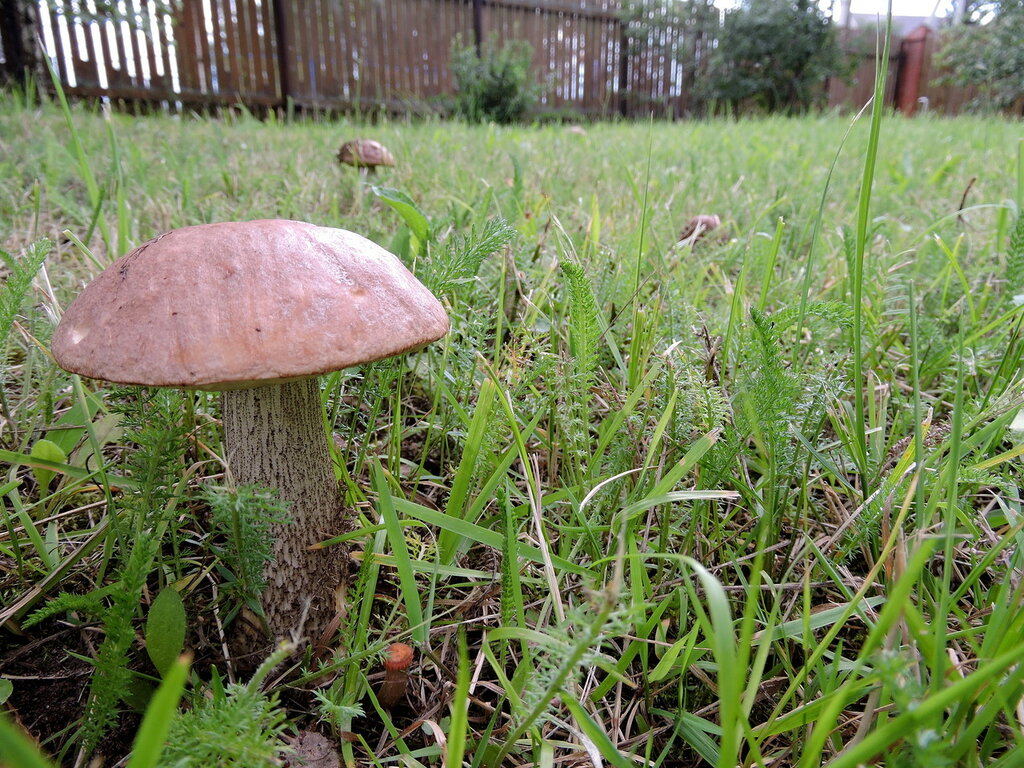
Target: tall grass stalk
[(860, 253)]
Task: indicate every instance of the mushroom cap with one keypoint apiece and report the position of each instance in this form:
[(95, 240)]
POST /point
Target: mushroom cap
[(242, 304), (365, 152), (399, 657), (699, 225)]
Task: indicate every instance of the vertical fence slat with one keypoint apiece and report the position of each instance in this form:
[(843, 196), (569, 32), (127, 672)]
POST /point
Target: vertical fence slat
[(378, 55), (244, 61), (236, 50), (265, 51), (305, 81), (315, 56), (320, 29), (86, 71), (153, 57), (388, 48), (205, 55), (332, 54), (185, 47)]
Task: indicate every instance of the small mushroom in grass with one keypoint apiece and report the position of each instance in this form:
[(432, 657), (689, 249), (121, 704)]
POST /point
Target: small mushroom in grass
[(396, 675), (366, 155), (257, 310), (697, 227)]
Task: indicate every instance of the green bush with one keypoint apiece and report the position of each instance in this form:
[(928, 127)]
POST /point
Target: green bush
[(495, 86), (989, 56), (774, 55)]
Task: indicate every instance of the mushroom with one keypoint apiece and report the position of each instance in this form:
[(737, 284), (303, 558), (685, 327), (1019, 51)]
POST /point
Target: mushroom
[(396, 674), (697, 227), (257, 310), (366, 155)]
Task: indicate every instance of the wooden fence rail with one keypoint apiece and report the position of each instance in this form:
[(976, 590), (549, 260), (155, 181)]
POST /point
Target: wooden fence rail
[(384, 54)]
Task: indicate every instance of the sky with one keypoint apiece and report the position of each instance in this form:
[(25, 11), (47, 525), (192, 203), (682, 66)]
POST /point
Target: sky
[(899, 7)]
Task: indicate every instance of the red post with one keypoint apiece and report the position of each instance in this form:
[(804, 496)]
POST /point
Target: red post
[(908, 79)]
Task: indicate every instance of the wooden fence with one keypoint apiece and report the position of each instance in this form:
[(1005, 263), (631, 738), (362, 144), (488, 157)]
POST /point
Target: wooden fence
[(383, 54), (331, 54), (911, 83)]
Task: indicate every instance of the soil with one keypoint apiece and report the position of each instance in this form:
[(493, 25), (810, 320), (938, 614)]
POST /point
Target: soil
[(50, 684)]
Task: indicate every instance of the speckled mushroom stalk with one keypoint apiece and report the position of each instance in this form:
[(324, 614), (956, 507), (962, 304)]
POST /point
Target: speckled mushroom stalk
[(274, 438), (258, 310)]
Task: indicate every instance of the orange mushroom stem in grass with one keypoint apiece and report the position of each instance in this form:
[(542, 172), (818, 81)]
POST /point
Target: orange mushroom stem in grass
[(257, 311)]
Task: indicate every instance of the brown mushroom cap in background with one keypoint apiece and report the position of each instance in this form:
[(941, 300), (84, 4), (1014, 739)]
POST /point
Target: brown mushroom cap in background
[(700, 225), (366, 153), (239, 304)]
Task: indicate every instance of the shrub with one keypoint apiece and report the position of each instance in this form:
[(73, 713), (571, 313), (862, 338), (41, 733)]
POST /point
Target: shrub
[(496, 85), (775, 55), (988, 55)]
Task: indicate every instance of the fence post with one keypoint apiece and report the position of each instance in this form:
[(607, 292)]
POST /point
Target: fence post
[(623, 66), (16, 31), (908, 73), (283, 51), (478, 26)]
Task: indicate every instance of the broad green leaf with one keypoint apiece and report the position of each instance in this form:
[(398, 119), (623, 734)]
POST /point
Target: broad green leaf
[(408, 210), (6, 689), (668, 661), (106, 429), (50, 451), (165, 630), (68, 431)]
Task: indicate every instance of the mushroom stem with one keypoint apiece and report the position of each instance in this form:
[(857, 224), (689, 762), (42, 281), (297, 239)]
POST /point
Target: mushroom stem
[(274, 437)]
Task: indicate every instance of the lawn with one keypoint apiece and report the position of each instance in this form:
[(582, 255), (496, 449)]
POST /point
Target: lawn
[(750, 498)]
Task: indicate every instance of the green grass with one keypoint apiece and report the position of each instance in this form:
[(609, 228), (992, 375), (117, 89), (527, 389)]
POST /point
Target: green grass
[(751, 502)]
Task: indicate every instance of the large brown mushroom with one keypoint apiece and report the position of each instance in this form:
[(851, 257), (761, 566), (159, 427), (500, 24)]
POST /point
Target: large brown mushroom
[(365, 154), (258, 310)]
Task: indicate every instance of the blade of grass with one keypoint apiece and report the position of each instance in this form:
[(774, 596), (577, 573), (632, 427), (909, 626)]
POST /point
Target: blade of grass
[(156, 724), (860, 253), (403, 565), (449, 544)]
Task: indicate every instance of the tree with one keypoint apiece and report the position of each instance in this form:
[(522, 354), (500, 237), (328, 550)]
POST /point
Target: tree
[(986, 52), (776, 55), (678, 31)]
